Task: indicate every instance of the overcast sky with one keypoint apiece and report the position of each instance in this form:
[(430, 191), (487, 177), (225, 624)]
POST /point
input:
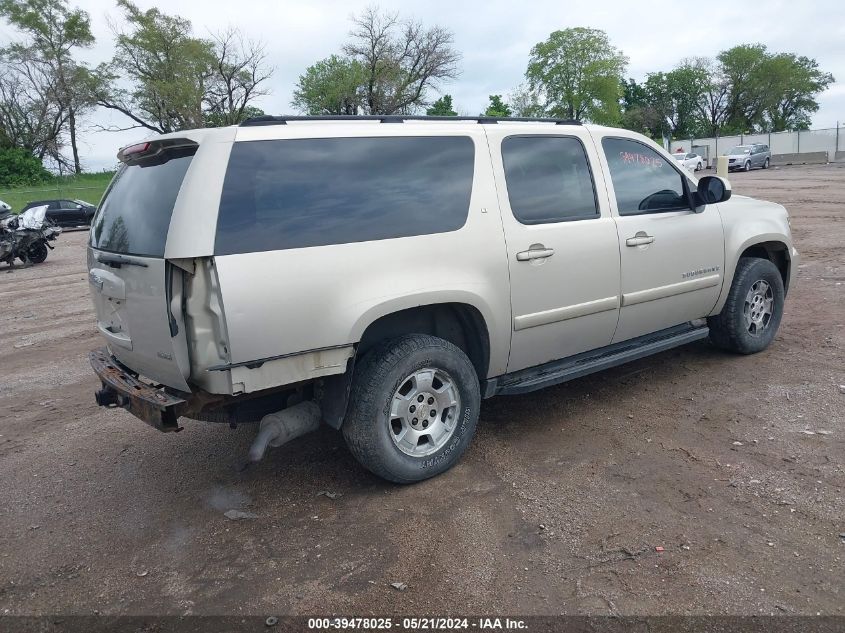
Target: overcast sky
[(495, 37)]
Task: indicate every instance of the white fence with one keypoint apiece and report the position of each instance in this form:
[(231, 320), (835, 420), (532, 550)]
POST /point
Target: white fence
[(823, 140)]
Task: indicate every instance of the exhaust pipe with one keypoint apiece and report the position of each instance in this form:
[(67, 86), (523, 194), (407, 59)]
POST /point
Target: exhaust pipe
[(108, 397), (283, 426)]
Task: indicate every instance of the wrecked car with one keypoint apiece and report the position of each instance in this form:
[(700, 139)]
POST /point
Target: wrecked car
[(383, 275)]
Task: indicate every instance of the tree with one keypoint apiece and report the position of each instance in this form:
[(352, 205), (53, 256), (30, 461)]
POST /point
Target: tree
[(331, 86), (19, 167), (30, 118), (402, 60), (577, 72), (497, 108), (674, 99), (442, 107), (237, 79), (178, 81), (713, 100), (743, 67), (793, 84), (524, 102), (54, 31)]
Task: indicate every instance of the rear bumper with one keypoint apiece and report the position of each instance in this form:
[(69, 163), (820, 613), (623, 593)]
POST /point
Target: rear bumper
[(121, 388)]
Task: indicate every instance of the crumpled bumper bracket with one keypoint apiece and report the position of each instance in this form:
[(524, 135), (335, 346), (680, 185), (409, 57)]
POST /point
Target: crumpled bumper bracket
[(151, 404)]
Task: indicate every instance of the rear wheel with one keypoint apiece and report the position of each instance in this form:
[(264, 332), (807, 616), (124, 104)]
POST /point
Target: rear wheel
[(413, 408), (752, 313), (766, 164)]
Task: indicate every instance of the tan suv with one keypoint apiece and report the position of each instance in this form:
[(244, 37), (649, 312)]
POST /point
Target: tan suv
[(384, 274)]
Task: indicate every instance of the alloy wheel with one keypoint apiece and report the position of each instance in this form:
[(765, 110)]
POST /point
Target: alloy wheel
[(424, 412), (758, 307)]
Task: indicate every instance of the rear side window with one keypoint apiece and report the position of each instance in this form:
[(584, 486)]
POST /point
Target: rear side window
[(643, 181), (548, 179), (284, 194), (135, 212)]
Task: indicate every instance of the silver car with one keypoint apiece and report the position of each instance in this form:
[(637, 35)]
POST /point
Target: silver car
[(385, 274), (745, 157)]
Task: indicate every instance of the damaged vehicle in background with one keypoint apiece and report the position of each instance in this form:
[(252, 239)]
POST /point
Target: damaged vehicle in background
[(26, 236), (385, 274)]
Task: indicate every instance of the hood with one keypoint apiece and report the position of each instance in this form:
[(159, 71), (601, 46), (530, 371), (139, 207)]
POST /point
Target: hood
[(745, 204)]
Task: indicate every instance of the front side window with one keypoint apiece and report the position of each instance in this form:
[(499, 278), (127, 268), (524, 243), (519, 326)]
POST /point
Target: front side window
[(296, 193), (643, 181), (548, 179)]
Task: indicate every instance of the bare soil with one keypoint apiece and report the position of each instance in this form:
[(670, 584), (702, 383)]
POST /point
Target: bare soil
[(733, 465)]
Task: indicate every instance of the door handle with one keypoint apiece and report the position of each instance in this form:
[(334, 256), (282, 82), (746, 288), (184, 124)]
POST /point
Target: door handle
[(534, 253), (639, 240)]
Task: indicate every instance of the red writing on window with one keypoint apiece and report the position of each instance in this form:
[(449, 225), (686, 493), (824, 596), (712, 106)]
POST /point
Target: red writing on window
[(632, 158)]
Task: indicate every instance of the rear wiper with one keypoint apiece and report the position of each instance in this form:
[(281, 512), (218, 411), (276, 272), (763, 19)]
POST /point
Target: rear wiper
[(116, 261)]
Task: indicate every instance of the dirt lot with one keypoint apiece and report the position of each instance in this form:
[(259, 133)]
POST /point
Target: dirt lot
[(734, 465)]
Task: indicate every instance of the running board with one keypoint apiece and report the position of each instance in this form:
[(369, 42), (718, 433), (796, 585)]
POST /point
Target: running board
[(558, 371)]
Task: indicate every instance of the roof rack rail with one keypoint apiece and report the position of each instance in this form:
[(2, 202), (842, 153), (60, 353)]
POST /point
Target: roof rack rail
[(397, 118)]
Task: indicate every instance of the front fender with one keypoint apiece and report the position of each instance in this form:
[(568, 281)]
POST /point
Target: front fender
[(748, 223)]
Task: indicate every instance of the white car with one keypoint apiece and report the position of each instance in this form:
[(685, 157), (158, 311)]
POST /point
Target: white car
[(690, 161)]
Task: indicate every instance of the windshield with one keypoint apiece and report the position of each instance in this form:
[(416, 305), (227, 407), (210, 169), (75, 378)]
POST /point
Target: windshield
[(680, 156), (740, 149), (134, 216)]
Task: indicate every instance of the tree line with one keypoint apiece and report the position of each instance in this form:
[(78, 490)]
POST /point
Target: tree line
[(392, 66), (163, 77)]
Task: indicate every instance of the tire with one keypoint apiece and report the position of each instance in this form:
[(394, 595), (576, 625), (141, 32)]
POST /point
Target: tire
[(766, 164), (735, 328), (747, 166), (38, 252), (386, 388), (698, 167)]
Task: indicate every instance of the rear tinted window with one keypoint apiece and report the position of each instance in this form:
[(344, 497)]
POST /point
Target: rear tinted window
[(285, 194), (548, 179), (135, 212)]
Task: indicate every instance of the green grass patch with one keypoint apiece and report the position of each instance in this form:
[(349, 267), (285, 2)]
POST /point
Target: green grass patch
[(87, 187)]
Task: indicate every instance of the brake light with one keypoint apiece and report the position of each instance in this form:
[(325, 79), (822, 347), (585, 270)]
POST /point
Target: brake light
[(149, 150), (132, 151)]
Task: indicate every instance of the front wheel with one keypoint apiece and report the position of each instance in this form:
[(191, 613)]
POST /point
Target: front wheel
[(747, 166), (412, 409), (750, 318), (37, 253)]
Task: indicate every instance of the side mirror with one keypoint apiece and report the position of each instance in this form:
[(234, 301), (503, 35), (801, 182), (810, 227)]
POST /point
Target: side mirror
[(712, 190)]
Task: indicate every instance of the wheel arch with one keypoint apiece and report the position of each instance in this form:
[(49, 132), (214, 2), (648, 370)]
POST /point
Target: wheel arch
[(773, 247), (462, 324)]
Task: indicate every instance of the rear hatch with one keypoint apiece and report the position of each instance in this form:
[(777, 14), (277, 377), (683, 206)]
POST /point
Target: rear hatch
[(136, 292)]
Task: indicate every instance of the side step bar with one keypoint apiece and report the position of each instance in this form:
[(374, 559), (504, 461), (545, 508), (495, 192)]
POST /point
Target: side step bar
[(559, 371)]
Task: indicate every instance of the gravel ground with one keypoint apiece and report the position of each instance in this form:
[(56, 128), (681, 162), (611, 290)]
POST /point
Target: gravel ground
[(733, 465)]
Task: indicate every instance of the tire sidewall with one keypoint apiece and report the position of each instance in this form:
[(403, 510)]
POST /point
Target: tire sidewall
[(404, 468), (760, 270), (37, 252)]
